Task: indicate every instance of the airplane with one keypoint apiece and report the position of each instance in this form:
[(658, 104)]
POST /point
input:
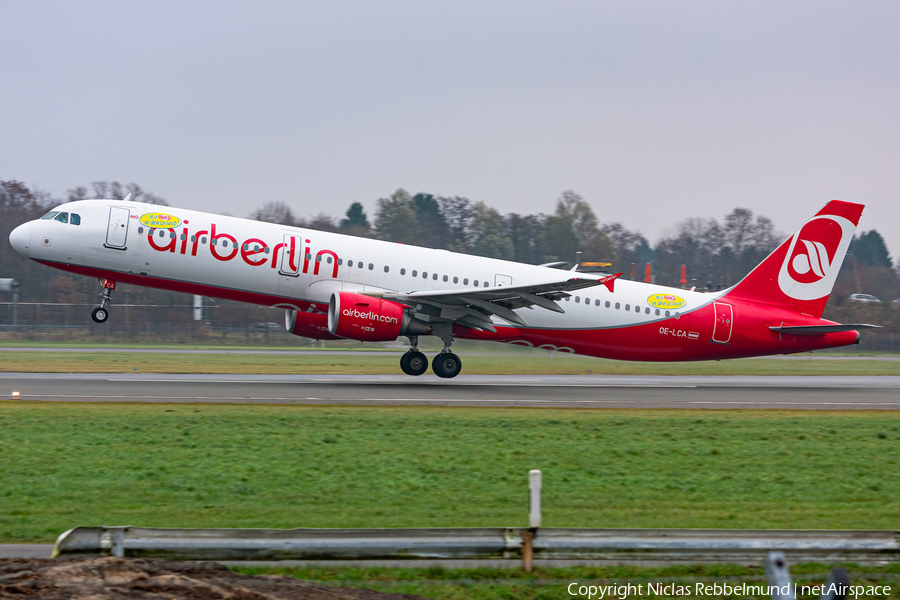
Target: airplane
[(343, 287)]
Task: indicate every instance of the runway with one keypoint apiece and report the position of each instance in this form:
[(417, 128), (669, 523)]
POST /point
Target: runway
[(566, 391)]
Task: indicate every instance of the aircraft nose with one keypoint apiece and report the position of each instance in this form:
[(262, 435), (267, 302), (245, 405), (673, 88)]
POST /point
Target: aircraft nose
[(20, 238)]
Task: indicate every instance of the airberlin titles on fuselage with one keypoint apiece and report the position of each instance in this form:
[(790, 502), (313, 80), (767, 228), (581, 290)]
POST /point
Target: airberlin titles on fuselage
[(253, 251)]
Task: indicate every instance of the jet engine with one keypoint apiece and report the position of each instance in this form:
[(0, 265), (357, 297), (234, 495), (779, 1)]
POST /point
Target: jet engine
[(368, 319)]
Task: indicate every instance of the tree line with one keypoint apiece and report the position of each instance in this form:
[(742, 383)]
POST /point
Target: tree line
[(716, 253)]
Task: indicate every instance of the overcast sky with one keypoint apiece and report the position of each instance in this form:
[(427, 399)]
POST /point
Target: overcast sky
[(653, 111)]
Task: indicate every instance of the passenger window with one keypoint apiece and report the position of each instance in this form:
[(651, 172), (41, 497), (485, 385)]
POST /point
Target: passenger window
[(224, 243), (486, 284), (403, 271), (627, 307), (577, 299), (75, 219), (618, 306), (607, 304), (657, 312), (568, 298), (172, 234), (163, 234), (340, 260), (203, 240), (141, 230), (475, 283), (424, 275), (308, 256), (319, 258), (49, 216), (667, 313), (267, 251), (193, 237), (637, 309), (359, 264), (386, 268), (445, 278), (587, 300), (329, 260), (646, 311), (183, 237), (415, 273), (456, 280), (371, 266), (349, 263), (434, 276), (466, 281)]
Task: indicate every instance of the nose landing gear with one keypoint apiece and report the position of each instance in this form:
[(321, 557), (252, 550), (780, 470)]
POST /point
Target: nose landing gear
[(101, 313)]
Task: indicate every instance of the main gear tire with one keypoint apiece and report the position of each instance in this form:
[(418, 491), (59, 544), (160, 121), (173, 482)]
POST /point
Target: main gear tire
[(414, 363), (446, 365)]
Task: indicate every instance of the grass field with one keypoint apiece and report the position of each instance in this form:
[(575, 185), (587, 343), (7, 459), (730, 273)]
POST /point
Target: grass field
[(552, 583), (531, 362), (63, 465)]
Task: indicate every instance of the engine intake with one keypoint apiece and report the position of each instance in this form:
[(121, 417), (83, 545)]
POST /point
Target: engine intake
[(367, 319)]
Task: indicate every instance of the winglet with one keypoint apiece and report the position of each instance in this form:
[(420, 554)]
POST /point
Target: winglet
[(609, 281)]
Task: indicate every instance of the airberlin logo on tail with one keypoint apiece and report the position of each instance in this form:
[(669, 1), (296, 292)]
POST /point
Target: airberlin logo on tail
[(814, 257)]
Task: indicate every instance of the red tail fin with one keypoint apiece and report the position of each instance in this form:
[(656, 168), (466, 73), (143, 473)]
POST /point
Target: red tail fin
[(800, 273)]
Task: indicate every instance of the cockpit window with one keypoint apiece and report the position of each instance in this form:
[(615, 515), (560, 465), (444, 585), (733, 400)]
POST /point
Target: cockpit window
[(49, 216), (75, 219), (62, 217)]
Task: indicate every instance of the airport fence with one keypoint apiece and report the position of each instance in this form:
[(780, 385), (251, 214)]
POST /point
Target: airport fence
[(226, 325)]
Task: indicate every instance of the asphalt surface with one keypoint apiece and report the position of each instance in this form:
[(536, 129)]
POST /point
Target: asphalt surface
[(566, 391)]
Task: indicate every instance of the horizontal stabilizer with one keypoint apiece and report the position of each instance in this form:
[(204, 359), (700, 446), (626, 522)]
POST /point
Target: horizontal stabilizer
[(820, 329)]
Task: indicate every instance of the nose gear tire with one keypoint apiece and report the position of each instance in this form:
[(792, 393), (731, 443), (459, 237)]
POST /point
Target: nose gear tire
[(99, 315)]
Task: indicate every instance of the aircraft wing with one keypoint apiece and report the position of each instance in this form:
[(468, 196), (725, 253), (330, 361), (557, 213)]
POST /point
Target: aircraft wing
[(473, 307)]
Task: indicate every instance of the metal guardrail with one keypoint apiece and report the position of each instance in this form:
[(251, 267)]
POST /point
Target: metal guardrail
[(628, 546)]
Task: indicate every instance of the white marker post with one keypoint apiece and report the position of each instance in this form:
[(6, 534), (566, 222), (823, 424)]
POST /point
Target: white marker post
[(534, 498), (534, 518)]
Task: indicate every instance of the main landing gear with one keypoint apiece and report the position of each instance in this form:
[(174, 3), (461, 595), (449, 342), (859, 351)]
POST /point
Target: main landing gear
[(445, 365), (101, 313)]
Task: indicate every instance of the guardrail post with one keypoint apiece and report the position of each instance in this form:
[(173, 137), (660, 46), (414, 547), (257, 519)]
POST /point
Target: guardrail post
[(527, 550), (118, 543)]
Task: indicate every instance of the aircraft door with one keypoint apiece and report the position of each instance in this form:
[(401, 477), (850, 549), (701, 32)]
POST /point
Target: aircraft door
[(117, 229), (289, 266), (723, 324), (502, 280), (291, 254)]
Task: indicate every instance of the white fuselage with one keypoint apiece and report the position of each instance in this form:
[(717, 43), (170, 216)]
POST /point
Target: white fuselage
[(247, 256)]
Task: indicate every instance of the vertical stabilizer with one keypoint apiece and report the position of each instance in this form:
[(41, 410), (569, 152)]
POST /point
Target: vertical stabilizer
[(800, 273)]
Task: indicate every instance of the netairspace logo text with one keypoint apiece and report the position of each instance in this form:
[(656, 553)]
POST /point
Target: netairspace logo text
[(719, 590)]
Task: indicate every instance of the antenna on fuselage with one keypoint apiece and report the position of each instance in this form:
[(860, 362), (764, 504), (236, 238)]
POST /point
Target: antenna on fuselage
[(127, 198)]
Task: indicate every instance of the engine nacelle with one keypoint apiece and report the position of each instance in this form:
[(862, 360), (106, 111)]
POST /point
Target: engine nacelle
[(368, 319), (308, 325)]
